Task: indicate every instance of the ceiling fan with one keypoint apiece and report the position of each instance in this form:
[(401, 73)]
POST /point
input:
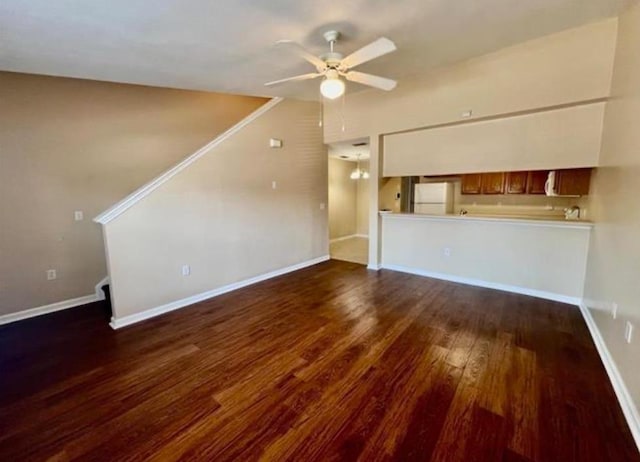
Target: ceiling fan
[(333, 65)]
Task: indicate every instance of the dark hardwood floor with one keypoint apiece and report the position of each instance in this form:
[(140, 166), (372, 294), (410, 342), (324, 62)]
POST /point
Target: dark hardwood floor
[(330, 363)]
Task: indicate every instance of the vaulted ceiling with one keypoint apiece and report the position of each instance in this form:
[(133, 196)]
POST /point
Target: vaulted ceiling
[(227, 45)]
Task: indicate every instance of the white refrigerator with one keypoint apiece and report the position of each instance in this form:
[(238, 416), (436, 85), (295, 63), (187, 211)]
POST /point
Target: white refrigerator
[(433, 198)]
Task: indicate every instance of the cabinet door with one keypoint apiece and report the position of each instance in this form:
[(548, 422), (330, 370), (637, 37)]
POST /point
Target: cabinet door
[(517, 182), (493, 183), (573, 182), (536, 181), (472, 183)]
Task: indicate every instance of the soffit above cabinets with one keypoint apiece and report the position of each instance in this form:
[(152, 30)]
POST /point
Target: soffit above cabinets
[(561, 138)]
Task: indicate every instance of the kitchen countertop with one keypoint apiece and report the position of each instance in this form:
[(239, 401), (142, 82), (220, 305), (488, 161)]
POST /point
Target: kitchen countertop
[(507, 219)]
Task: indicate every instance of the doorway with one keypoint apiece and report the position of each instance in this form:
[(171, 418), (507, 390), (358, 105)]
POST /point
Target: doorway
[(349, 201)]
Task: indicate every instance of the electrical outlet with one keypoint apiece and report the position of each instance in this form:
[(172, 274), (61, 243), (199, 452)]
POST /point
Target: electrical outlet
[(614, 310), (446, 251), (628, 332), (51, 275), (78, 215), (274, 185), (186, 270)]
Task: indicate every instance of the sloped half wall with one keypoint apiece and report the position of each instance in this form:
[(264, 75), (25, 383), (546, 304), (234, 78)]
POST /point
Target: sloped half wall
[(223, 217)]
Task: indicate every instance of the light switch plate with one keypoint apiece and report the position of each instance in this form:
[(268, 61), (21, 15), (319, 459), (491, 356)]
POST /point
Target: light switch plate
[(78, 215), (186, 270)]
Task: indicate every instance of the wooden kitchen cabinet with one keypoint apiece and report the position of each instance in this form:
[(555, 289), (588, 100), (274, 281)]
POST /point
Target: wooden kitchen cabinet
[(472, 183), (536, 181), (516, 182), (568, 182), (493, 183), (573, 182), (483, 183)]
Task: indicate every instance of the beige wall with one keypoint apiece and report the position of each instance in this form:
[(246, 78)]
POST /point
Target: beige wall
[(567, 67), (362, 203), (550, 259), (614, 257), (561, 138), (348, 200), (343, 196), (389, 188), (221, 216), (67, 145)]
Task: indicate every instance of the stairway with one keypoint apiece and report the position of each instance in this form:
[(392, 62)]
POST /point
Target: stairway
[(107, 301)]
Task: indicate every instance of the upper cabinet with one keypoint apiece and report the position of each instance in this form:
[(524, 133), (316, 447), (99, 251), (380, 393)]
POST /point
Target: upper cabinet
[(572, 182), (493, 183), (472, 183), (566, 182), (536, 181), (517, 183), (483, 183)]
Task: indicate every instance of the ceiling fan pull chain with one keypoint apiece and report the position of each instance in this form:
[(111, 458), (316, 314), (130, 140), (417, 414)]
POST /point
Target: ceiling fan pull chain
[(344, 97), (320, 122)]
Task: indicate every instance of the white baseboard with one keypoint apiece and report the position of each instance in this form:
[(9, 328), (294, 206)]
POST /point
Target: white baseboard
[(350, 236), (343, 238), (117, 323), (53, 307), (374, 267), (99, 292), (489, 285), (629, 409)]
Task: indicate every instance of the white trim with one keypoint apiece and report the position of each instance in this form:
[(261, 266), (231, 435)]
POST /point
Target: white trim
[(99, 292), (153, 312), (629, 409), (350, 236), (343, 238), (45, 309), (489, 285), (144, 191), (586, 225)]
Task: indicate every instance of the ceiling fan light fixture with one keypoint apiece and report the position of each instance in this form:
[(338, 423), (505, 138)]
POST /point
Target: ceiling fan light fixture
[(332, 87)]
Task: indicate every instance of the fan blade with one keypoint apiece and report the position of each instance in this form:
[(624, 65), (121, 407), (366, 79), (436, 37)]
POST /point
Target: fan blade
[(371, 80), (380, 47), (304, 53), (312, 75)]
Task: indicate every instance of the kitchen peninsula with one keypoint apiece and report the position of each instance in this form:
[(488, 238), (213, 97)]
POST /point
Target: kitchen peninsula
[(540, 257), (503, 230)]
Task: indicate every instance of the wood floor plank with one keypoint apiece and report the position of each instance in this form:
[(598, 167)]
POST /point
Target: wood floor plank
[(330, 363)]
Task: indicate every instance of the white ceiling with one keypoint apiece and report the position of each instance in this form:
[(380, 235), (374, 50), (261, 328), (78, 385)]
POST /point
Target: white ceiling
[(347, 151), (226, 45)]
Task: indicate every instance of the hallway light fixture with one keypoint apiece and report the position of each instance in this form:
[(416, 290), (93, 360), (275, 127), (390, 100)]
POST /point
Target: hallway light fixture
[(358, 173)]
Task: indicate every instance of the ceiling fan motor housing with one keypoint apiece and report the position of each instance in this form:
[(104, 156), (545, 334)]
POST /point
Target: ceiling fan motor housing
[(332, 59)]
